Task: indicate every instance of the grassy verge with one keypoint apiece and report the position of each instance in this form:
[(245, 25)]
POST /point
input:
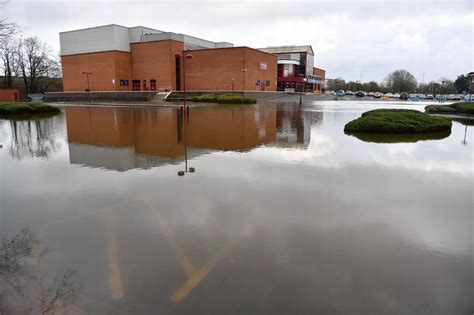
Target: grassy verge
[(224, 99), (27, 109), (397, 121), (463, 108)]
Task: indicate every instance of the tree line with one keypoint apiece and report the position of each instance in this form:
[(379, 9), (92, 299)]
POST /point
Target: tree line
[(403, 81), (26, 62)]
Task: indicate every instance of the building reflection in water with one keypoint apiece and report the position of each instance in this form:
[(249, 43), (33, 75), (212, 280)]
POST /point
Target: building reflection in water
[(294, 126), (127, 138)]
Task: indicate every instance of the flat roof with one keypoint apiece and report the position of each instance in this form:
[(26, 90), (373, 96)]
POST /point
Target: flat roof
[(107, 25), (289, 49)]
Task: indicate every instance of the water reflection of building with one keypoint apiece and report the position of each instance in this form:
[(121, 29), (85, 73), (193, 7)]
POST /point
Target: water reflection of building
[(126, 138), (294, 126)]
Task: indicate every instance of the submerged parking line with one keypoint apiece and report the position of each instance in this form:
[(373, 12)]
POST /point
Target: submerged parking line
[(183, 260), (200, 274), (115, 274)]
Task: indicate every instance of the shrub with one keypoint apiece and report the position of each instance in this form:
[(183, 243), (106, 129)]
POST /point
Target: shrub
[(465, 108), (397, 121), (224, 99), (440, 109)]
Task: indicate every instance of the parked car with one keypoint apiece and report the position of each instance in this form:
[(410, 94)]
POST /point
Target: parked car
[(340, 93), (429, 97), (468, 98), (396, 95), (377, 95), (349, 93), (457, 97), (414, 97), (389, 95), (403, 96), (330, 92), (359, 94), (371, 94)]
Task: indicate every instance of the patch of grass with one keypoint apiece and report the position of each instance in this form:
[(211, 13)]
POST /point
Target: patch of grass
[(27, 109), (224, 99), (397, 121), (463, 108)]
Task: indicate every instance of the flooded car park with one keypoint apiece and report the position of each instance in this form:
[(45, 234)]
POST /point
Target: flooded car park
[(283, 214)]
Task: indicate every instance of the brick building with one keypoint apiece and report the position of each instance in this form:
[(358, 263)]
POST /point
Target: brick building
[(296, 69), (118, 58)]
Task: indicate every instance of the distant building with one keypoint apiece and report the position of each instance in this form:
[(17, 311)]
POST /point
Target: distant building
[(296, 69), (119, 58)]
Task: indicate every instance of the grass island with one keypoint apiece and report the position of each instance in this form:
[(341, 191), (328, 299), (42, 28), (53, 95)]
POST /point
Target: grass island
[(27, 109), (460, 108), (397, 121)]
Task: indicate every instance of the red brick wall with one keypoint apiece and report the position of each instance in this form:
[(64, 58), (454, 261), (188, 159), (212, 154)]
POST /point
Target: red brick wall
[(9, 95), (155, 60), (214, 69), (105, 66), (210, 69), (320, 73)]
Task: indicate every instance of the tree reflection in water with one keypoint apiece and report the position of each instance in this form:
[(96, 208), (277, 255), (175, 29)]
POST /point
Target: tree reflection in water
[(24, 291), (33, 138)]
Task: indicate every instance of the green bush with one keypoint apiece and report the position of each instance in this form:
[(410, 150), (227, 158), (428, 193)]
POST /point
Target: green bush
[(24, 108), (440, 109), (397, 121), (224, 99), (465, 108)]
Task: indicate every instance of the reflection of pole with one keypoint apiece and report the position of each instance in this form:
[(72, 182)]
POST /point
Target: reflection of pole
[(465, 133), (185, 120)]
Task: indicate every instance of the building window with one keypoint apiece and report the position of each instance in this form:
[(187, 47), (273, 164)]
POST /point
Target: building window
[(123, 82), (178, 72), (135, 85), (153, 85), (288, 71), (267, 83), (144, 85), (280, 70)]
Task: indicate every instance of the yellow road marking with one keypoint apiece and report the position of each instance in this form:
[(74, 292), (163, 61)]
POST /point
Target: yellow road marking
[(115, 275), (184, 261), (197, 276)]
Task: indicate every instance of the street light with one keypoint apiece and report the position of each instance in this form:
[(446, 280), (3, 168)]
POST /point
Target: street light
[(87, 76), (303, 82), (183, 57)]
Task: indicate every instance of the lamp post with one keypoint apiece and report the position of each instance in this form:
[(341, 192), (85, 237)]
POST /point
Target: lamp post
[(243, 70), (303, 82), (87, 76), (183, 57)]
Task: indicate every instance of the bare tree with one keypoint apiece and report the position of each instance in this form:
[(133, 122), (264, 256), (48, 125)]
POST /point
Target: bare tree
[(7, 29), (400, 81), (7, 57), (35, 64)]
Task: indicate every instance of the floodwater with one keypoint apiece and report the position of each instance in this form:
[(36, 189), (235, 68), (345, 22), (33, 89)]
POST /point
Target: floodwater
[(277, 211)]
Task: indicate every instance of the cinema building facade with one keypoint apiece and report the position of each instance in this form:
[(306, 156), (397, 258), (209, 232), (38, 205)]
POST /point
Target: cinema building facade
[(119, 58)]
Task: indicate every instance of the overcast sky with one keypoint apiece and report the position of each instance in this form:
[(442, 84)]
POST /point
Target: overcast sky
[(349, 38)]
